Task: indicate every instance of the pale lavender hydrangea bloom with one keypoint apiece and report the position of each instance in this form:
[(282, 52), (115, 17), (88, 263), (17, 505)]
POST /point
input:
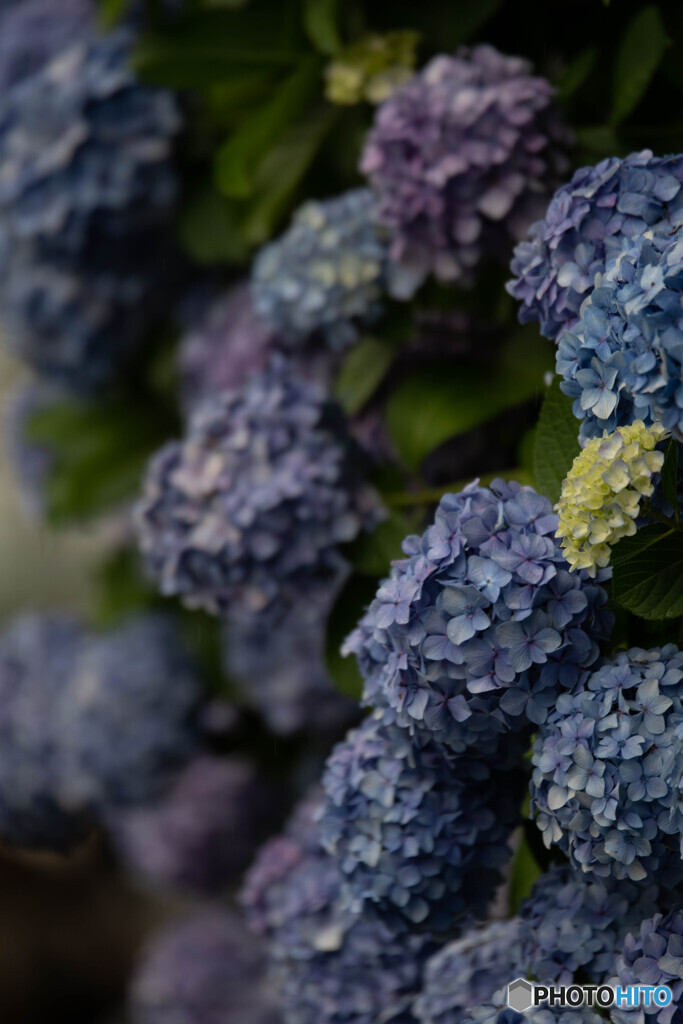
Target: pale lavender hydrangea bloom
[(246, 515), (653, 955), (462, 160), (34, 31), (203, 832), (207, 969)]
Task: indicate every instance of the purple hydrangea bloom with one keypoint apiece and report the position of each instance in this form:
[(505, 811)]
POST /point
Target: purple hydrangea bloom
[(462, 159), (229, 343), (607, 768), (420, 835), (37, 657), (87, 195), (623, 360), (479, 628), (653, 955), (202, 833), (330, 966), (468, 971), (248, 512), (127, 718), (573, 926), (286, 679), (207, 969), (34, 31), (326, 275), (588, 221)]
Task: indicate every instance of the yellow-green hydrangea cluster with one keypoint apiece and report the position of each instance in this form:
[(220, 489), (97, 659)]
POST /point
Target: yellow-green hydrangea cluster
[(601, 494), (371, 69)]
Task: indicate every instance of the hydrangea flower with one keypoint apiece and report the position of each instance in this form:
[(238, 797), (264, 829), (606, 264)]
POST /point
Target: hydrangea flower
[(202, 833), (34, 31), (653, 955), (127, 718), (286, 679), (247, 513), (87, 195), (622, 361), (330, 966), (573, 925), (481, 625), (207, 969), (228, 344), (327, 274), (420, 836), (607, 768), (587, 223), (371, 69), (468, 971), (602, 493), (36, 660), (462, 159)]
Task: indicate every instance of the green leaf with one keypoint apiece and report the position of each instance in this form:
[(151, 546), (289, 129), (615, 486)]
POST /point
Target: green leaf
[(642, 48), (373, 553), (361, 373), (577, 72), (525, 871), (670, 476), (237, 159), (121, 588), (557, 441), (647, 572), (111, 12), (435, 404), (320, 20), (99, 453), (600, 140), (468, 16), (210, 230), (353, 599)]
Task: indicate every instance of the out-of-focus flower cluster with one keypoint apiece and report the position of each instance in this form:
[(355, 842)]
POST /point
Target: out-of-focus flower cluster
[(462, 160), (602, 493), (477, 630), (607, 768), (247, 513), (87, 194)]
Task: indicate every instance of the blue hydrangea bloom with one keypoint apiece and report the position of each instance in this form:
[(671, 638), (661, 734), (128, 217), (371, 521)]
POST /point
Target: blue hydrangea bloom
[(202, 833), (462, 160), (587, 223), (420, 835), (127, 718), (34, 31), (653, 955), (247, 513), (623, 360), (327, 274), (573, 925), (476, 631), (87, 194), (330, 966), (286, 679), (37, 656), (206, 969), (608, 765), (468, 971)]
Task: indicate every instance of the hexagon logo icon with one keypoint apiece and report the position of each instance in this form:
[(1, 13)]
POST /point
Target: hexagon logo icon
[(519, 995)]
